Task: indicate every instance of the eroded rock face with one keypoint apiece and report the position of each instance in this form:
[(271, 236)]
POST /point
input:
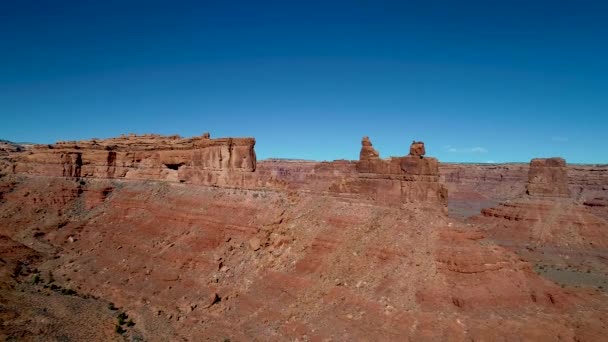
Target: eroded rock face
[(402, 179), (231, 162), (367, 151), (343, 250), (417, 149), (548, 178), (192, 263), (546, 215), (7, 147), (141, 157), (473, 187)]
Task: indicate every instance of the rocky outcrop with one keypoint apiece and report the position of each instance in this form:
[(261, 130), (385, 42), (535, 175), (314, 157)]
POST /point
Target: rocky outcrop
[(548, 178), (231, 162), (473, 187), (408, 179), (546, 215), (138, 157), (417, 149), (7, 147), (346, 250), (367, 151)]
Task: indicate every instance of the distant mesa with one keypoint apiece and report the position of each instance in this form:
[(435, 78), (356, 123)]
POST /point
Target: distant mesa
[(548, 177), (9, 146)]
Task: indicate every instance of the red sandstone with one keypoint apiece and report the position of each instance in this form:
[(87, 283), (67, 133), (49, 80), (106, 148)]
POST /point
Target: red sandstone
[(196, 238)]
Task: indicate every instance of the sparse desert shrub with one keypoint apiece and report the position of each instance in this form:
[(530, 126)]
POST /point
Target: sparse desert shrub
[(68, 292), (120, 330), (122, 318)]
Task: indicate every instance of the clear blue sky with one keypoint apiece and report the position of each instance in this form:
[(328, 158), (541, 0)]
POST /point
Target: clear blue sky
[(476, 80)]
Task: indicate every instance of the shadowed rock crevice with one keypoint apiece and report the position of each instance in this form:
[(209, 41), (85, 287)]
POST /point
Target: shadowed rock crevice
[(174, 166)]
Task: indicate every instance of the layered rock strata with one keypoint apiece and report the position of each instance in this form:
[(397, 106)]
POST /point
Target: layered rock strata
[(411, 178), (509, 180), (231, 162), (417, 148), (473, 187), (138, 157), (548, 177), (367, 150), (303, 251), (546, 215), (196, 263)]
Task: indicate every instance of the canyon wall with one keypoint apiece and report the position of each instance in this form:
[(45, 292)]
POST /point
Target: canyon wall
[(308, 251), (231, 163), (548, 214), (548, 177), (137, 157), (473, 187)]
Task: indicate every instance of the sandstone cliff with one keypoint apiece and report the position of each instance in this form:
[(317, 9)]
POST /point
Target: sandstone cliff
[(548, 177), (231, 162), (547, 215), (473, 187), (137, 157), (283, 250)]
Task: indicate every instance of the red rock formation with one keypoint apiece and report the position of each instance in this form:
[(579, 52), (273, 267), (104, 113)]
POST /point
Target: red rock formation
[(7, 147), (417, 149), (231, 162), (188, 262), (404, 179), (285, 250), (545, 215), (548, 177), (141, 157), (473, 187), (545, 222), (367, 151)]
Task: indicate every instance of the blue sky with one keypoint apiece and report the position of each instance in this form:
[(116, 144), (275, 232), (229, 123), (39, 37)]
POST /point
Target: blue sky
[(476, 80)]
